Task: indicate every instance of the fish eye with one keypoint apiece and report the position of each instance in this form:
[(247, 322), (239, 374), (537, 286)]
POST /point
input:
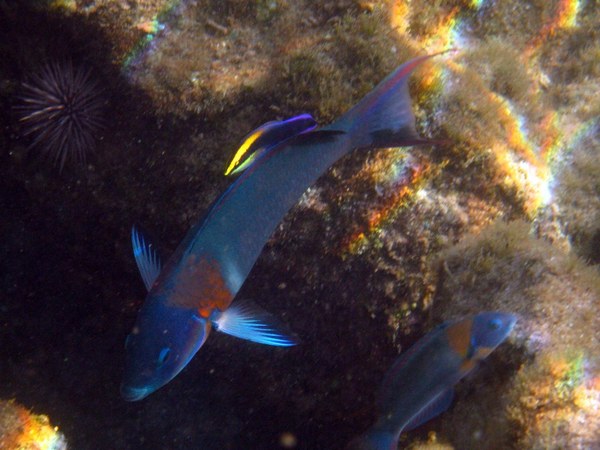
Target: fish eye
[(163, 356), (495, 324)]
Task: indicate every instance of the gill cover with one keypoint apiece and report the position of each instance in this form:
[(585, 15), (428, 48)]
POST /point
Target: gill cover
[(162, 342)]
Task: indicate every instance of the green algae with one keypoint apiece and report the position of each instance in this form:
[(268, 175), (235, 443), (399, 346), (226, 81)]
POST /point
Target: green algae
[(328, 78), (204, 66), (502, 68), (572, 377)]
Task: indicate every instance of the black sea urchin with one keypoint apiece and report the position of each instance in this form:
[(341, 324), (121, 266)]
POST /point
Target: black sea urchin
[(61, 110)]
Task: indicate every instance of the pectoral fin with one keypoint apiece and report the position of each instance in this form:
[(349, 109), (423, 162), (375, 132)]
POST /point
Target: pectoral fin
[(245, 320), (146, 257)]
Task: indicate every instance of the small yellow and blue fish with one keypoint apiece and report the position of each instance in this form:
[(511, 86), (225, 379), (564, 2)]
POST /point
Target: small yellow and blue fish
[(266, 136), (420, 384), (194, 291)]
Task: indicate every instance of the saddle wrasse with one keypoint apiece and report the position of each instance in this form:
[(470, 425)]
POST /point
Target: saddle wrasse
[(194, 291)]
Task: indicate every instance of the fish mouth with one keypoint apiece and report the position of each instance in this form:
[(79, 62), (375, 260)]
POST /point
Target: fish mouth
[(132, 394)]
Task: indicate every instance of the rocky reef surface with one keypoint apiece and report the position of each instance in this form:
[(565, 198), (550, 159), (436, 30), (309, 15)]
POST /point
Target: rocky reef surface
[(23, 430), (501, 215)]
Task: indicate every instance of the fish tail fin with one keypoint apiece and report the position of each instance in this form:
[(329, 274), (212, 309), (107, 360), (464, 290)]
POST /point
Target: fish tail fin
[(374, 440), (384, 117)]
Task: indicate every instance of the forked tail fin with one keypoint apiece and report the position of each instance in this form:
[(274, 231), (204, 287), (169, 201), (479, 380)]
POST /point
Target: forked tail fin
[(384, 117)]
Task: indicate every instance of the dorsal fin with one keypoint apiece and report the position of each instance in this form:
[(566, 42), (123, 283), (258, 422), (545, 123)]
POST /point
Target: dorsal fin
[(265, 137)]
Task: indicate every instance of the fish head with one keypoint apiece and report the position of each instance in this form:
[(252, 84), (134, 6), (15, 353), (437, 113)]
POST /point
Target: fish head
[(162, 342), (490, 329)]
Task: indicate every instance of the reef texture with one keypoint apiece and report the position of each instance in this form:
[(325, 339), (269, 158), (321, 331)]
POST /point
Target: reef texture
[(22, 430), (502, 214), (552, 398)]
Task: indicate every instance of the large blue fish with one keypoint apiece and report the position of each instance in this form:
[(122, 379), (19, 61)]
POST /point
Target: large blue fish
[(420, 384), (195, 289)]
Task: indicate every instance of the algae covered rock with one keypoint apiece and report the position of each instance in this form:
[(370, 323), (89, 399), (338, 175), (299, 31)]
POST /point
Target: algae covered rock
[(363, 266), (546, 392), (20, 429), (579, 195)]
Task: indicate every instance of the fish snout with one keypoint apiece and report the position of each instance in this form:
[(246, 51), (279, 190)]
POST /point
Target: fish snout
[(132, 394)]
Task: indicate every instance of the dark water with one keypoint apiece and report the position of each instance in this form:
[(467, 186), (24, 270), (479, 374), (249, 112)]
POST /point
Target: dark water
[(70, 292)]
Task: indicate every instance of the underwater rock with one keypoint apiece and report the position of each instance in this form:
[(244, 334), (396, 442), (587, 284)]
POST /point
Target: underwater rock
[(545, 392), (432, 443), (20, 429), (352, 267), (210, 56), (578, 192)]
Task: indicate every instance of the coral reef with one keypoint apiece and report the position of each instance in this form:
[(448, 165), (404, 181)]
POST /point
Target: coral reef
[(363, 265)]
